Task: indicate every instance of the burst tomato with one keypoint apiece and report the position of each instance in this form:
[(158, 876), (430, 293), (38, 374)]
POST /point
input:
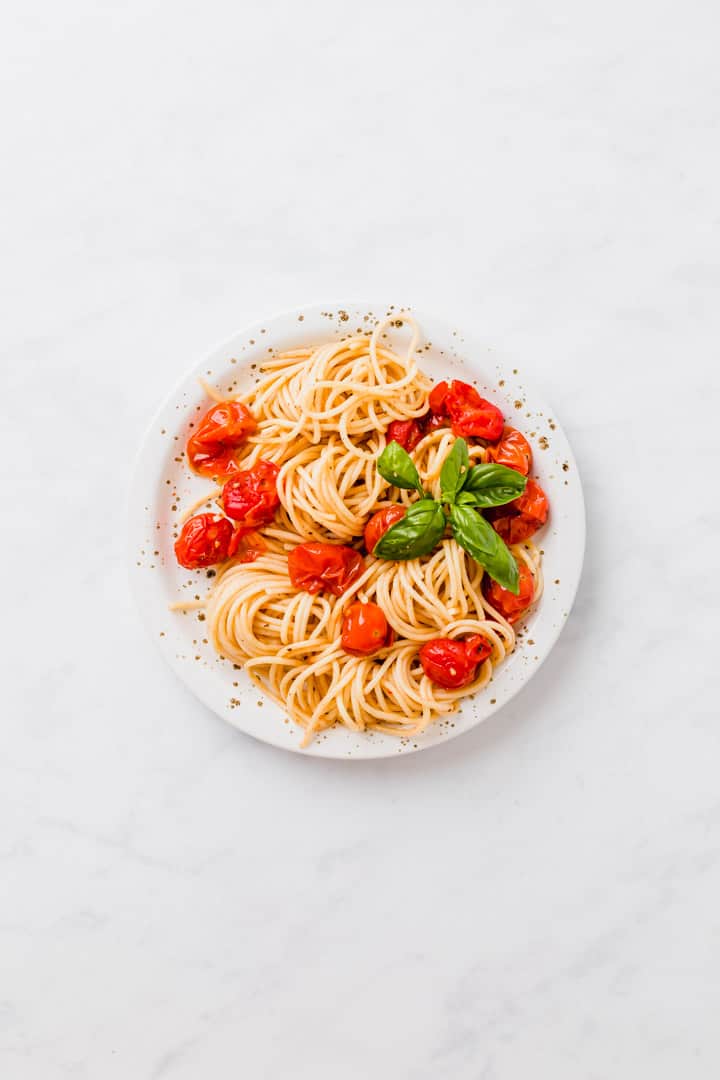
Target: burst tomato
[(509, 605), (250, 546), (379, 524), (453, 664), (406, 432), (469, 413), (436, 401), (206, 539), (250, 496), (365, 629), (519, 519), (330, 567), (513, 451), (224, 427)]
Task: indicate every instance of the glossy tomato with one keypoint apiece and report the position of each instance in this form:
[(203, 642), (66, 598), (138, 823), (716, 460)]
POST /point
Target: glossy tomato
[(513, 451), (250, 496), (453, 664), (406, 432), (379, 524), (330, 567), (250, 546), (224, 427), (437, 398), (469, 413), (519, 519), (206, 539), (509, 605), (365, 629)]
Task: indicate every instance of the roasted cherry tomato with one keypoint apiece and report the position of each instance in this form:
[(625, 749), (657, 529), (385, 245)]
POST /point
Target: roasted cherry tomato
[(436, 401), (453, 664), (519, 519), (469, 413), (224, 427), (206, 539), (379, 524), (509, 605), (330, 567), (365, 629), (250, 546), (250, 496), (406, 432), (513, 451)]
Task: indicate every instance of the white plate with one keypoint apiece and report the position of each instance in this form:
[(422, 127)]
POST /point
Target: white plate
[(163, 486)]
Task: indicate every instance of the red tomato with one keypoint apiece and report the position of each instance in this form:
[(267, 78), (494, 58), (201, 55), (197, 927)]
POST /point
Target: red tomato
[(379, 524), (205, 539), (519, 519), (453, 664), (513, 451), (364, 629), (509, 605), (469, 413), (223, 428), (331, 567), (436, 401), (250, 496), (249, 546), (406, 432)]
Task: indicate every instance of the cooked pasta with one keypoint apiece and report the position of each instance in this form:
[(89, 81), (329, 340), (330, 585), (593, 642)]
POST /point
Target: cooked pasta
[(321, 418)]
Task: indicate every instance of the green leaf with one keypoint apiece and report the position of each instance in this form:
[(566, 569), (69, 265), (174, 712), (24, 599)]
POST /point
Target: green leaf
[(479, 539), (454, 471), (397, 467), (416, 534), (492, 485)]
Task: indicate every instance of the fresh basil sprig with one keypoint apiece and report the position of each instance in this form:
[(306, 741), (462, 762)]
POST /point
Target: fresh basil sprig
[(467, 490), (479, 539), (416, 534), (397, 467)]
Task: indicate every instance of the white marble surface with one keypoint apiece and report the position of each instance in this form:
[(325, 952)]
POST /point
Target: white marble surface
[(540, 898)]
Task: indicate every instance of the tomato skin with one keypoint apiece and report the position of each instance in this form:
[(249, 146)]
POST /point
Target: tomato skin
[(379, 524), (452, 664), (364, 629), (247, 546), (250, 496), (407, 433), (470, 414), (437, 398), (513, 450), (224, 427), (205, 540), (519, 519), (330, 567), (510, 606)]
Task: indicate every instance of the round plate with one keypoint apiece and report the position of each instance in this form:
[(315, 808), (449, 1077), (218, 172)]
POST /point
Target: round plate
[(163, 486)]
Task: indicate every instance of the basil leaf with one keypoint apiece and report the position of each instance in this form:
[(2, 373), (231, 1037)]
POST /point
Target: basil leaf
[(479, 539), (416, 534), (493, 485), (454, 471), (397, 467)]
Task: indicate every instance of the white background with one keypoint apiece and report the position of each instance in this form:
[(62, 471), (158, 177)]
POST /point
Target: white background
[(540, 898)]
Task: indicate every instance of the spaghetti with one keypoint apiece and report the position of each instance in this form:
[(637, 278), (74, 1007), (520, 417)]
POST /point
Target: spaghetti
[(322, 417)]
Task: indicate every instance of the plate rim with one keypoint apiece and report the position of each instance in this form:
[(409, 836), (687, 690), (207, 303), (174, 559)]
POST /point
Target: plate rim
[(273, 735)]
